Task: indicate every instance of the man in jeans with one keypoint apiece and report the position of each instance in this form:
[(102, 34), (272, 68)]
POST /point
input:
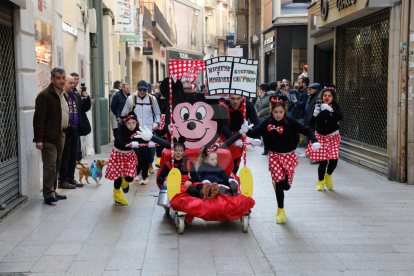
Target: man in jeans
[(300, 104), (78, 126), (50, 119)]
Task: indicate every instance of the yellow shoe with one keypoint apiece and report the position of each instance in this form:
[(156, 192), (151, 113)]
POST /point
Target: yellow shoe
[(157, 164), (125, 185), (150, 169), (119, 198), (320, 186), (280, 217), (328, 181)]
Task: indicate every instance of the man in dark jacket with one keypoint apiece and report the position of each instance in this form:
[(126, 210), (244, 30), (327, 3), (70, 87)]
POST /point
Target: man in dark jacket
[(313, 92), (234, 108), (50, 119), (78, 126), (118, 103), (300, 105)]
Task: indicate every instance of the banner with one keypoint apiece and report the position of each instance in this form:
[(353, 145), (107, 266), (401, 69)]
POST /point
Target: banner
[(124, 17), (229, 75)]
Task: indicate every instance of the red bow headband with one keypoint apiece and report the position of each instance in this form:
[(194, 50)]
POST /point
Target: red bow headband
[(328, 88), (129, 117), (274, 100)]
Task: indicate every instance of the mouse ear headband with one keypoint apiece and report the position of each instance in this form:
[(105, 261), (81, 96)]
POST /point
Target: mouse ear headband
[(275, 100)]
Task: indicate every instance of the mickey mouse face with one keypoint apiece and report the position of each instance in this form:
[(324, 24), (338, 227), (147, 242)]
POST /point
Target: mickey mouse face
[(195, 123)]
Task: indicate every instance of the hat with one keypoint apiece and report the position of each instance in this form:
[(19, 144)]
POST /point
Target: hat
[(142, 85), (315, 85)]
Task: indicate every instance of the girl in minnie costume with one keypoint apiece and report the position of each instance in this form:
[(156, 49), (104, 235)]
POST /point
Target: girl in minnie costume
[(281, 135), (327, 116), (123, 161)]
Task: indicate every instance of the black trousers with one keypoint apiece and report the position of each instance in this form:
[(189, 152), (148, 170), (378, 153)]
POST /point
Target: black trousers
[(118, 182), (69, 156), (144, 157), (80, 151), (281, 186), (195, 191)]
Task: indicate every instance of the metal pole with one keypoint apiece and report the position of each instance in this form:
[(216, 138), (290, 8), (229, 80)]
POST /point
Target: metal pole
[(128, 64), (410, 121), (235, 23)]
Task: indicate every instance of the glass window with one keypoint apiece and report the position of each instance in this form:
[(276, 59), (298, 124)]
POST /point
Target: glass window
[(299, 60), (294, 7), (43, 48)]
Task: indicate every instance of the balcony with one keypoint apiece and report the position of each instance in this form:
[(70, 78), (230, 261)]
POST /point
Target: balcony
[(222, 33), (147, 20), (211, 40), (210, 4), (160, 27)]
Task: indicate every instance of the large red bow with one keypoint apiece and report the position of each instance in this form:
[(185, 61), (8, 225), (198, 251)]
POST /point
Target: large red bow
[(273, 127), (129, 117), (274, 100)]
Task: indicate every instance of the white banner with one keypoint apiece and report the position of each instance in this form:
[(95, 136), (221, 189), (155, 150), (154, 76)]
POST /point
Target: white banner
[(124, 17), (229, 75)]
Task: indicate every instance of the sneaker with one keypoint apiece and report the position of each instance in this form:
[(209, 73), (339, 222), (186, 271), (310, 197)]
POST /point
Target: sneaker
[(234, 187), (150, 169), (138, 178), (144, 181)]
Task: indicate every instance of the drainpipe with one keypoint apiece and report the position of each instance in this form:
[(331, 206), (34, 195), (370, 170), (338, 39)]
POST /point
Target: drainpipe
[(128, 65)]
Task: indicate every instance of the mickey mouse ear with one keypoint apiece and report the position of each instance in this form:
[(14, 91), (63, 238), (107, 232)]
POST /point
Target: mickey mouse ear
[(181, 139)]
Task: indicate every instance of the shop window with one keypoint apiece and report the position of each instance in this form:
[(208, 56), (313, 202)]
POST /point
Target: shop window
[(299, 60), (43, 48), (288, 7)]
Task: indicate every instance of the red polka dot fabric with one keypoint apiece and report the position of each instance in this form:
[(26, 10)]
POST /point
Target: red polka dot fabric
[(189, 69), (281, 165), (121, 164), (162, 123), (329, 147)]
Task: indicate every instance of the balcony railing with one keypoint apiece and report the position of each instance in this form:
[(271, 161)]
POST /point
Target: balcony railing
[(158, 17), (147, 19), (212, 39), (212, 4), (223, 32)]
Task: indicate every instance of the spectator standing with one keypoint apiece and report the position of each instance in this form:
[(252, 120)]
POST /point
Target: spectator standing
[(291, 95), (188, 88), (114, 122), (300, 104), (78, 126), (117, 105), (262, 106), (148, 113), (76, 77), (51, 117), (313, 94)]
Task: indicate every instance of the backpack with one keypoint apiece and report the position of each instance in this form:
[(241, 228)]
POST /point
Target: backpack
[(151, 103)]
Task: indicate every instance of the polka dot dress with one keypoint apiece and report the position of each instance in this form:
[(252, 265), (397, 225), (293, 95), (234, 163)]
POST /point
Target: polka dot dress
[(329, 147), (121, 164), (281, 165)]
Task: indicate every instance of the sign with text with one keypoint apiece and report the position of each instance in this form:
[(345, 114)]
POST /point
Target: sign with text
[(124, 17), (230, 75), (147, 51), (235, 52)]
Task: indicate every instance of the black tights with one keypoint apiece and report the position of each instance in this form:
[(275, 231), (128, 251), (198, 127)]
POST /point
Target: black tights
[(195, 191), (118, 181), (281, 186), (322, 168)]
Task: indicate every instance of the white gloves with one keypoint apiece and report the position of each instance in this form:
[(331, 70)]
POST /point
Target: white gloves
[(154, 126), (316, 146), (239, 143), (326, 107), (145, 134), (134, 144), (245, 127), (206, 182), (316, 111), (256, 142), (151, 144)]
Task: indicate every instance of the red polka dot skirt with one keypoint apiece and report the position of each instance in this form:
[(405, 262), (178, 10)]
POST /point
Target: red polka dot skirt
[(329, 147), (281, 165), (121, 164)]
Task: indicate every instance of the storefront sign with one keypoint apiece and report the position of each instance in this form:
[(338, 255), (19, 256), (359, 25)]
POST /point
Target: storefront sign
[(124, 17), (268, 41), (229, 75), (135, 44), (68, 28), (235, 52), (147, 51), (343, 4), (43, 76), (230, 41), (59, 56), (324, 9)]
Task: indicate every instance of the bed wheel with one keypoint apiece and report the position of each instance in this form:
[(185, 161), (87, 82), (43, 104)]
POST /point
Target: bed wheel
[(245, 223)]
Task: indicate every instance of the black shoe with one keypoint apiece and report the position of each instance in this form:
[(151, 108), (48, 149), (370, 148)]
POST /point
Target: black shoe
[(126, 190), (234, 187), (51, 199), (58, 196), (265, 153)]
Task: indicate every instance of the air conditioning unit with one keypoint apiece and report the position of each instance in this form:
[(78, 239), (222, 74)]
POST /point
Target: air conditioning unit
[(92, 20)]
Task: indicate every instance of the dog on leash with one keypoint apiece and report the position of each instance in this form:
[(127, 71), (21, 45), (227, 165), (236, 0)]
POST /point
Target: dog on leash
[(94, 171)]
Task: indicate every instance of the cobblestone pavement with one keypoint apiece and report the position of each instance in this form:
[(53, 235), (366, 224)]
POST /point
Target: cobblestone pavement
[(363, 227)]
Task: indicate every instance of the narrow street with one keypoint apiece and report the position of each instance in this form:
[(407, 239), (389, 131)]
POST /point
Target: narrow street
[(362, 227)]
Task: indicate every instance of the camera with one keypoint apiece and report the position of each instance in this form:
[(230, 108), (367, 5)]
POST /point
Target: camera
[(318, 103), (282, 85), (83, 87)]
